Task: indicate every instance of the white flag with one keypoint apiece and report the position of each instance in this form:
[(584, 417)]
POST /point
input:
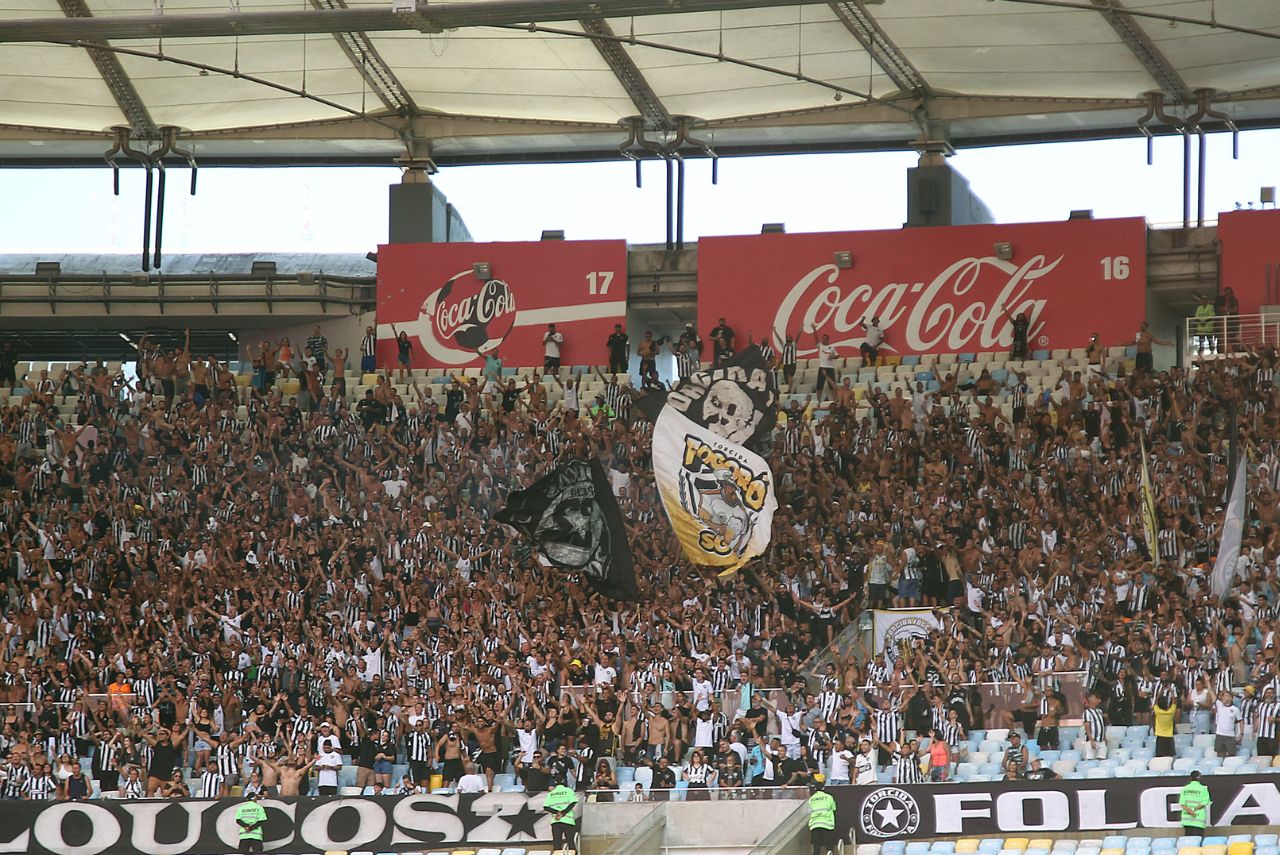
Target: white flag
[(892, 627), (1224, 568), (718, 495)]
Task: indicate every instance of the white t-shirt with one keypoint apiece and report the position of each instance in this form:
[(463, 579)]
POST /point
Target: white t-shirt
[(840, 764), (826, 356), (865, 769), (570, 392), (703, 733), (702, 690), (328, 777), (551, 344), (875, 335), (1225, 717), (788, 725), (472, 783)]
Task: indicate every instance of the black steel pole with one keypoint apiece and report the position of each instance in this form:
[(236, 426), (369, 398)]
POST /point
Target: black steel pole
[(670, 204), (680, 204), (1200, 179)]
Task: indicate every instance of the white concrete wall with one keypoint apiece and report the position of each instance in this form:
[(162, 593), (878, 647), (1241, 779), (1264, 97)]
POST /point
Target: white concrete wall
[(346, 333)]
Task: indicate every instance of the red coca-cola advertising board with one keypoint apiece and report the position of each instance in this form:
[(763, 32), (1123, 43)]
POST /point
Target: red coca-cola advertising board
[(459, 302), (935, 290), (1250, 264)]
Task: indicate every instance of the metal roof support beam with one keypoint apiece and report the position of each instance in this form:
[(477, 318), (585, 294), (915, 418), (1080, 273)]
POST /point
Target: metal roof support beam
[(875, 41), (113, 74), (1142, 47), (628, 73), (433, 17), (373, 68)]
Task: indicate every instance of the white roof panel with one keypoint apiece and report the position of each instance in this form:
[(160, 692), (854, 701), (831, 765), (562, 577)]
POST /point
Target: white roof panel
[(776, 77)]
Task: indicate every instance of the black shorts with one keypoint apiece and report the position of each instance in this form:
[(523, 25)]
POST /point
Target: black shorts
[(490, 760), (823, 837), (420, 771), (250, 844), (551, 363), (648, 366), (1143, 361), (452, 769)]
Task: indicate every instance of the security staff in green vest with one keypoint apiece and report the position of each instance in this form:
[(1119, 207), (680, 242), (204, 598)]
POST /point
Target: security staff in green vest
[(1202, 327), (561, 802), (822, 817), (1195, 804), (251, 816)]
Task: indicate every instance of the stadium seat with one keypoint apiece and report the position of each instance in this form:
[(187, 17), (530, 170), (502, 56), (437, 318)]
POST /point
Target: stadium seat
[(917, 847), (1017, 844), (991, 844)]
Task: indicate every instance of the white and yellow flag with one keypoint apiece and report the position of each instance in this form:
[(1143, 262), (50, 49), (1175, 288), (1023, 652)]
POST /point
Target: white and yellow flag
[(718, 495)]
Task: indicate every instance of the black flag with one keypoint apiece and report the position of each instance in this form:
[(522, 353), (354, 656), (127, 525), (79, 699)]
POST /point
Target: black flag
[(737, 401), (571, 516)]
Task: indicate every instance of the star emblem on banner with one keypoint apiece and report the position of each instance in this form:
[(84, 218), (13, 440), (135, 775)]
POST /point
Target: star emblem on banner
[(522, 823), (889, 812)]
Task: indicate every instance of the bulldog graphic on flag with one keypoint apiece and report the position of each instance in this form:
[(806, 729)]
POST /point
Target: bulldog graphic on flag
[(718, 495)]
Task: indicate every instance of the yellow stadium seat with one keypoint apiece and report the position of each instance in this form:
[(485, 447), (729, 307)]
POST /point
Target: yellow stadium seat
[(891, 360), (1190, 850), (1215, 849), (1017, 843), (242, 380), (1040, 843), (967, 844), (1244, 847), (335, 852), (368, 379), (1116, 851)]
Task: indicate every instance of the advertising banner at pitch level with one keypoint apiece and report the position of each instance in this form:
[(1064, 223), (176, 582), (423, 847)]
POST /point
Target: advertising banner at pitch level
[(935, 290), (459, 302)]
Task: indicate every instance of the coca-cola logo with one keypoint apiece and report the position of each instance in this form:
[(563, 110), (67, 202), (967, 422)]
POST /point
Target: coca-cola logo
[(946, 313), (471, 315)]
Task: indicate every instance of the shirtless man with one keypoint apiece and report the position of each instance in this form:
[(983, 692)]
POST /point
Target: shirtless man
[(291, 775), (659, 732), (486, 733), (449, 753)]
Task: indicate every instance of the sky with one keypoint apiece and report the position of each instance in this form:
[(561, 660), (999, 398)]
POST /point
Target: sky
[(337, 209)]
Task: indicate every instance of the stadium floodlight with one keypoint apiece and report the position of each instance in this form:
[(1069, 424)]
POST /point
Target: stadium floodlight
[(372, 256), (232, 336), (48, 268), (483, 270), (553, 234), (1266, 195), (1081, 214), (773, 229), (844, 259), (1003, 250), (263, 268)]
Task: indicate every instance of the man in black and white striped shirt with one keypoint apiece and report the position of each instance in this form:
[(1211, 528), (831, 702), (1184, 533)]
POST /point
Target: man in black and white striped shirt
[(369, 350), (1095, 730), (211, 782)]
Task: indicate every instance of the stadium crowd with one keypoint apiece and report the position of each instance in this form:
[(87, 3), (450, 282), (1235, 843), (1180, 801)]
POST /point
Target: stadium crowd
[(195, 600)]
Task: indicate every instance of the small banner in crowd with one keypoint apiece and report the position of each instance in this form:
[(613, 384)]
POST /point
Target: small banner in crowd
[(571, 516), (718, 495), (1150, 523), (892, 629), (737, 401), (294, 825), (1103, 806), (1224, 566)]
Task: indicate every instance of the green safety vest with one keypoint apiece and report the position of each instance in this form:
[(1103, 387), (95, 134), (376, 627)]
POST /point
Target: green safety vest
[(1195, 803), (559, 799), (822, 811), (250, 812), (1204, 318)]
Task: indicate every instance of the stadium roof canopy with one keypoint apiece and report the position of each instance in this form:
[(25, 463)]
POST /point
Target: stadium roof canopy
[(473, 81)]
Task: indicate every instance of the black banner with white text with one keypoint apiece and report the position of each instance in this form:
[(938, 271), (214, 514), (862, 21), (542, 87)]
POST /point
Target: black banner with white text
[(294, 825), (887, 812)]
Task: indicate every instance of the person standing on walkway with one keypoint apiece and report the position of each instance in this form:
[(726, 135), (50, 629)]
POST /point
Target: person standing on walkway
[(1195, 803), (251, 817), (822, 818), (561, 802)]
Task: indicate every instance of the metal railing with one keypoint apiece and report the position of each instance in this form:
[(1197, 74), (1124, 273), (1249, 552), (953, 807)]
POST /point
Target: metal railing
[(1218, 335)]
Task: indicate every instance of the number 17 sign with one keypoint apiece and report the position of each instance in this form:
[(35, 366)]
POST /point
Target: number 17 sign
[(460, 302)]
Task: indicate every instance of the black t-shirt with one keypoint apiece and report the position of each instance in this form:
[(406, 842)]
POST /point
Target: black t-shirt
[(535, 779), (619, 347), (1020, 327), (1040, 775), (368, 748), (560, 766), (509, 399), (8, 359), (163, 757), (664, 779)]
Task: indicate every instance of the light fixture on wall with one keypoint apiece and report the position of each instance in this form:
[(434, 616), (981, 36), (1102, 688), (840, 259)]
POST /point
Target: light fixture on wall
[(843, 259), (1003, 250), (483, 270)]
